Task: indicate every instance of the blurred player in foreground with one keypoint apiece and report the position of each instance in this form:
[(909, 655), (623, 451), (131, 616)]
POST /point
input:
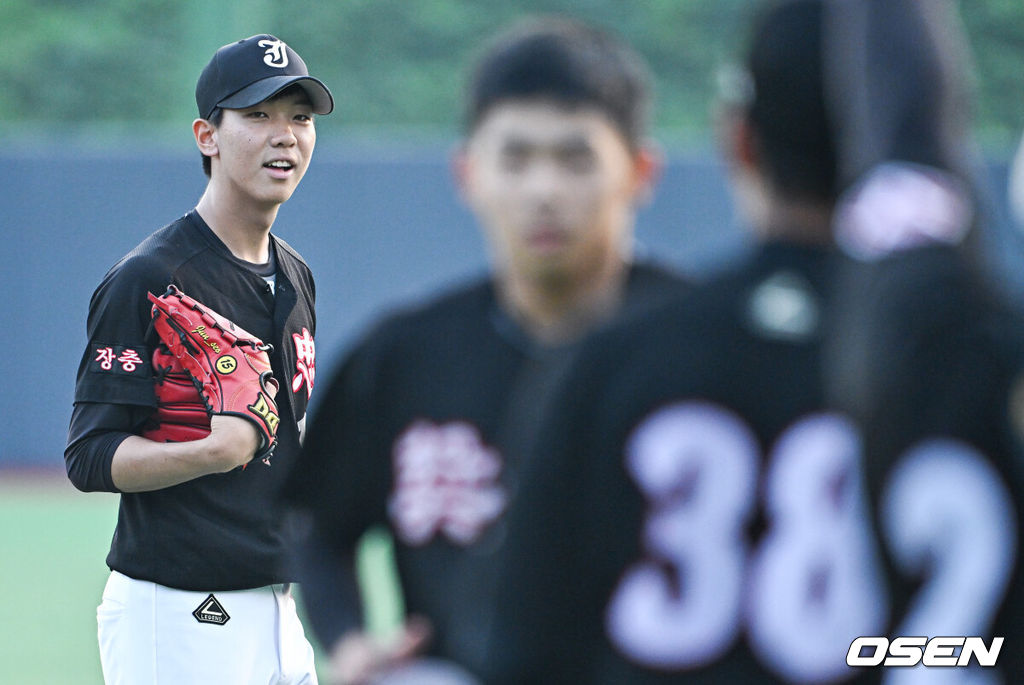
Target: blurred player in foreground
[(425, 427), (706, 510), (931, 353), (198, 590)]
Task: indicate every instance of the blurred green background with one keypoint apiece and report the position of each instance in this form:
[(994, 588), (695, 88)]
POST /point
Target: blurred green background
[(112, 74), (90, 72)]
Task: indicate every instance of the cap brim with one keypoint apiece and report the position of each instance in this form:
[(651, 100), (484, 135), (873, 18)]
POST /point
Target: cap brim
[(255, 93)]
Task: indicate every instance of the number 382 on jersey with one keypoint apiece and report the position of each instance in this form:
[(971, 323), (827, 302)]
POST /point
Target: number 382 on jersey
[(814, 581)]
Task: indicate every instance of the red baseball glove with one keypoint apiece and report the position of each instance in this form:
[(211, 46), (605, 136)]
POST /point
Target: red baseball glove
[(180, 414), (229, 366)]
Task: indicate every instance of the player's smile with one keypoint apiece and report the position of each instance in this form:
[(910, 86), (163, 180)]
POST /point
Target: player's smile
[(280, 168)]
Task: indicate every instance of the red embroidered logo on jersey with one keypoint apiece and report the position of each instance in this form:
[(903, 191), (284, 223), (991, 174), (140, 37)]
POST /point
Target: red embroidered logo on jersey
[(119, 359), (446, 481), (305, 361)]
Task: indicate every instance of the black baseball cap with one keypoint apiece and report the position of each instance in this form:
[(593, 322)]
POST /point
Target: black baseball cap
[(252, 70)]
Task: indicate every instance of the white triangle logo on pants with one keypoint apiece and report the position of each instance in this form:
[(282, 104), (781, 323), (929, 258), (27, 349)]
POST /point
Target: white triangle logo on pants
[(211, 611)]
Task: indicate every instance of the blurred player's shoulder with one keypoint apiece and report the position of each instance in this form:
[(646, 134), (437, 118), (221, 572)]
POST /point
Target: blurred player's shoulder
[(440, 317), (651, 277), (776, 300), (928, 280), (649, 285), (776, 292), (448, 306), (473, 301)]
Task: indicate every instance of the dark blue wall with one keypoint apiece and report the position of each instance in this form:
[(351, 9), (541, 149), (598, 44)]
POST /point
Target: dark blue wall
[(376, 229)]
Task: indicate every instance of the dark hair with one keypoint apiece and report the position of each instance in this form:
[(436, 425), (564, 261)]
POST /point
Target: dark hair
[(217, 115), (568, 63), (788, 110)]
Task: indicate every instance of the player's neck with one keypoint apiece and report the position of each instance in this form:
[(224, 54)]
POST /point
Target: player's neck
[(798, 222), (559, 311), (242, 226)]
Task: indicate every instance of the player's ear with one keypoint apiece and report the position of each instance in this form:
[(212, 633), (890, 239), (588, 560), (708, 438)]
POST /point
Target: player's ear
[(736, 137), (741, 150), (461, 166), (648, 162), (206, 137)]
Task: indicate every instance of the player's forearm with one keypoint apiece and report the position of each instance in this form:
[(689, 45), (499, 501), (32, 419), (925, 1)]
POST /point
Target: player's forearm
[(141, 465)]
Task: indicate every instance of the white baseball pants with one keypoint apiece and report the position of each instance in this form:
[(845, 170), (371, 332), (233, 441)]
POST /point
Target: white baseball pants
[(150, 634)]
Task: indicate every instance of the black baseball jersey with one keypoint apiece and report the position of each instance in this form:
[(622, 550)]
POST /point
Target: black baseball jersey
[(423, 430), (705, 510), (217, 532)]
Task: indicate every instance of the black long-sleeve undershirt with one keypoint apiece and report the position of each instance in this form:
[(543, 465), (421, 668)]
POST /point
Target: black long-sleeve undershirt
[(96, 431)]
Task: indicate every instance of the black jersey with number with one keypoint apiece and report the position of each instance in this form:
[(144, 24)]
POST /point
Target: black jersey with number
[(221, 531), (423, 430), (710, 514), (703, 505)]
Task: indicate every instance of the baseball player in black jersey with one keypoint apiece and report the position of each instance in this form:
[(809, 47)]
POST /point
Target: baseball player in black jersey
[(932, 353), (702, 505), (198, 591), (425, 426)]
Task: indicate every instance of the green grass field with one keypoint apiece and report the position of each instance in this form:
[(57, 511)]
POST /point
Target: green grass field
[(54, 540)]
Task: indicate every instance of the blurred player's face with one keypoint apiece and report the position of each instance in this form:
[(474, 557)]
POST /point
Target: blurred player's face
[(263, 151), (554, 188)]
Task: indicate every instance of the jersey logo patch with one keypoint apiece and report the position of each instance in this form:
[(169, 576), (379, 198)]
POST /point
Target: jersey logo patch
[(305, 361), (120, 360), (784, 307), (446, 481), (211, 611)]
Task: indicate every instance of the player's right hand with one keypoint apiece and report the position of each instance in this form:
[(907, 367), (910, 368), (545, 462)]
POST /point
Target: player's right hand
[(233, 440), (358, 657)]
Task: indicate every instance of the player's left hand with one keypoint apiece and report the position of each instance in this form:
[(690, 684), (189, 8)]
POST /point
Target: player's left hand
[(358, 657)]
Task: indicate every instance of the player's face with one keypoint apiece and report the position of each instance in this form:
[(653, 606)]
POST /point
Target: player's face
[(554, 188), (263, 151)]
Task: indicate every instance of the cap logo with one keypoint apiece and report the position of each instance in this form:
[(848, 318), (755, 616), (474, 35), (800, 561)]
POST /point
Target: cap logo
[(275, 54)]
